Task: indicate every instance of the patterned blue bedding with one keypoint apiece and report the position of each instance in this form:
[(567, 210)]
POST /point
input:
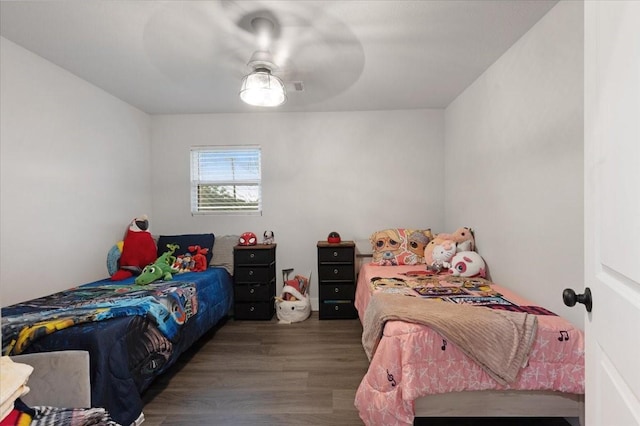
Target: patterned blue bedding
[(133, 333)]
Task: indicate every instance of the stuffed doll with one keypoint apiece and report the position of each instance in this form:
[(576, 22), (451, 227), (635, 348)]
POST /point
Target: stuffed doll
[(463, 237), (138, 251), (468, 264)]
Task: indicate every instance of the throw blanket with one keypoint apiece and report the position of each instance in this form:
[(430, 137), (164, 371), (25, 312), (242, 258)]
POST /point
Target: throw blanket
[(23, 415), (168, 303), (499, 341)]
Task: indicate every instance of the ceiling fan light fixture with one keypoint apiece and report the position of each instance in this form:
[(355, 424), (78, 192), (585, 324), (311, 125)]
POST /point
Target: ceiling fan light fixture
[(261, 88)]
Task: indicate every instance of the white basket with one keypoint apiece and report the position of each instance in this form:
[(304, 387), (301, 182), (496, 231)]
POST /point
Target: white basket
[(289, 311)]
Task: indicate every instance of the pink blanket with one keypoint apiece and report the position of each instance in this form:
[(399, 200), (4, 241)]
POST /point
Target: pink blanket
[(414, 360)]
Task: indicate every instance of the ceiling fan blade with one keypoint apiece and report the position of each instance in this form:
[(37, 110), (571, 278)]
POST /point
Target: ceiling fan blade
[(214, 42)]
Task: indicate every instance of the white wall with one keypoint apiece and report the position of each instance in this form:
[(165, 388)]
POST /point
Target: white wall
[(75, 169), (514, 161), (350, 172)]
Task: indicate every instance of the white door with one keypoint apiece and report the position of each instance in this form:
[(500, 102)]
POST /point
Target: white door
[(612, 211)]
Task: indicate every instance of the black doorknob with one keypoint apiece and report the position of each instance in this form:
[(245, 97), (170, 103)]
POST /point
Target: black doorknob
[(570, 298)]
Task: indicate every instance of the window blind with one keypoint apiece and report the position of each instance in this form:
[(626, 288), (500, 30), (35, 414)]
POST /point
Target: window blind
[(226, 180)]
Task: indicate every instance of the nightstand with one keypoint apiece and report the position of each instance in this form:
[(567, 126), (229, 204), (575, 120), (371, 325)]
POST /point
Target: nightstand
[(336, 280), (254, 281)]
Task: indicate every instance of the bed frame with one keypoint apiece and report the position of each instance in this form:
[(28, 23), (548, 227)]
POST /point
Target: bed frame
[(509, 403)]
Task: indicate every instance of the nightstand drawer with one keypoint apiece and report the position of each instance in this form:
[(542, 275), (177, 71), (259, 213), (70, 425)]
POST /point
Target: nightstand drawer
[(253, 292), (330, 309), (336, 272), (337, 291), (254, 257), (335, 254), (253, 274), (254, 310)]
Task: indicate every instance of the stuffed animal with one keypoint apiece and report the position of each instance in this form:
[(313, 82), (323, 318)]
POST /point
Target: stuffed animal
[(439, 255), (468, 264), (183, 263), (294, 304), (463, 237), (268, 237), (162, 268), (199, 259), (138, 250)]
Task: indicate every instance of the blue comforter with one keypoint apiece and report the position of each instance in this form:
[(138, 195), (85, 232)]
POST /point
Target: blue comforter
[(133, 333)]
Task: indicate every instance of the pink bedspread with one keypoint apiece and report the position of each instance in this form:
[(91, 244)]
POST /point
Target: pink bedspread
[(413, 360)]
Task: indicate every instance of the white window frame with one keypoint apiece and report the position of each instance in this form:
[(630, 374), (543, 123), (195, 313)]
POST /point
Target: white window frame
[(229, 180)]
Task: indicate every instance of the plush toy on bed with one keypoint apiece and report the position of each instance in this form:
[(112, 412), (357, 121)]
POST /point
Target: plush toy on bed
[(468, 264), (162, 268), (199, 258), (463, 237), (438, 254), (138, 250)]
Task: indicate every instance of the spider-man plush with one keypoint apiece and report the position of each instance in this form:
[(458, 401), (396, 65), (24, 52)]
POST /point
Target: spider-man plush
[(139, 249)]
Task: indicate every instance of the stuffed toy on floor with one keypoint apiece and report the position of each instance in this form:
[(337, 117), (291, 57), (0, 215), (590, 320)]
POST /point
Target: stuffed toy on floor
[(138, 251)]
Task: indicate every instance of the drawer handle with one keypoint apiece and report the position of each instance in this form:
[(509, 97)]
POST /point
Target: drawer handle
[(253, 290), (335, 254), (336, 289), (251, 309), (337, 308), (335, 271), (251, 272)]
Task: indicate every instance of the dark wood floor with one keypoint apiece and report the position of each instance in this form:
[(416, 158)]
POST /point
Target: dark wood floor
[(266, 373)]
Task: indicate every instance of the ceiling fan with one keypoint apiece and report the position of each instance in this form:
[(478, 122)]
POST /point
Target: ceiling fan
[(208, 47), (260, 87)]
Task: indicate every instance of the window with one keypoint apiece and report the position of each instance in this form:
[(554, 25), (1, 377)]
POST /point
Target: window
[(226, 179)]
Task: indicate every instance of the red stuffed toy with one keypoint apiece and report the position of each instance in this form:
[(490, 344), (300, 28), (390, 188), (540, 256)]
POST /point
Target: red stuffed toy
[(139, 249), (199, 258)]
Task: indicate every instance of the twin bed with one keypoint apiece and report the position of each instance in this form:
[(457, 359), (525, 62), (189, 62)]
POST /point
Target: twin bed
[(133, 333), (521, 360)]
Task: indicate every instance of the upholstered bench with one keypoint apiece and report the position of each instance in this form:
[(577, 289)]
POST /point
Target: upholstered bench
[(59, 379)]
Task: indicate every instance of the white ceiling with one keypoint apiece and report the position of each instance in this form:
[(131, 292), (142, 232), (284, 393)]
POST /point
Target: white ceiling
[(182, 57)]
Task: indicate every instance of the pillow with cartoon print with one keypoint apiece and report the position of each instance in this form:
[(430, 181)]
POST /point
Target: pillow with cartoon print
[(399, 246)]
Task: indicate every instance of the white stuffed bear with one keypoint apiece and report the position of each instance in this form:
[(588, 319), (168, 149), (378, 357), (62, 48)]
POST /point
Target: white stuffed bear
[(468, 264)]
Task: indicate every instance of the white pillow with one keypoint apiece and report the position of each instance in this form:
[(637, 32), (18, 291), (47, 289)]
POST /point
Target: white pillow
[(223, 252)]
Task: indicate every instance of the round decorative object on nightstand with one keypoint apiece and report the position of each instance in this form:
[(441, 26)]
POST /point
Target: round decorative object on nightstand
[(333, 238), (248, 239)]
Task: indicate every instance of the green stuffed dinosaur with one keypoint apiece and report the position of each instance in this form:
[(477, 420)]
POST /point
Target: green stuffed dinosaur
[(162, 268)]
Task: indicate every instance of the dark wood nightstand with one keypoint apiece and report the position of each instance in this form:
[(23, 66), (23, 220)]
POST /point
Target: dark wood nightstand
[(254, 279), (337, 280)]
